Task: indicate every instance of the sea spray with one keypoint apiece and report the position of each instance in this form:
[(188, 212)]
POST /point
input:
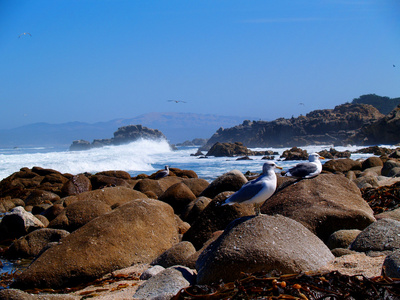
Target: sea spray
[(138, 155)]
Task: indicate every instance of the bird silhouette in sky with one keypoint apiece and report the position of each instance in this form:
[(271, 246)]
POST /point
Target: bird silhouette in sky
[(176, 101), (25, 33)]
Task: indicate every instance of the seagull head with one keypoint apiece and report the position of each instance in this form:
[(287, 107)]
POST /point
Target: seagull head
[(314, 157)]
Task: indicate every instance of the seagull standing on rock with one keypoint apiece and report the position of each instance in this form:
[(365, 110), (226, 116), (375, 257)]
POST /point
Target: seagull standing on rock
[(258, 190), (163, 173), (308, 169)]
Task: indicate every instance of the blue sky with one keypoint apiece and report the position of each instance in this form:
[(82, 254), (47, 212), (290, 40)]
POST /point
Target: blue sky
[(99, 60)]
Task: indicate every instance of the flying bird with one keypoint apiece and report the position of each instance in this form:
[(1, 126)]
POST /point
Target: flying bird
[(301, 103), (308, 169), (25, 33), (258, 190), (176, 101), (163, 173)]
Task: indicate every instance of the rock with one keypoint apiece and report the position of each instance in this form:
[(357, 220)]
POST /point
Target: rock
[(154, 270), (53, 211), (184, 173), (389, 214), (371, 162), (341, 165), (230, 181), (391, 265), (324, 204), (123, 135), (116, 174), (17, 223), (228, 149), (389, 166), (337, 252), (213, 218), (334, 154), (196, 185), (261, 243), (145, 229), (113, 196), (355, 264), (177, 255), (178, 196), (194, 208), (76, 185), (37, 197), (131, 133), (149, 185), (102, 181), (166, 284), (80, 145), (181, 225), (8, 204), (342, 238), (295, 154), (376, 150), (366, 182), (78, 214), (33, 243), (382, 235)]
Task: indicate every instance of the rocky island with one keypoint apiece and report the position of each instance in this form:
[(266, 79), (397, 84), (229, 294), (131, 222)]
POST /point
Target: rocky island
[(123, 135), (320, 127)]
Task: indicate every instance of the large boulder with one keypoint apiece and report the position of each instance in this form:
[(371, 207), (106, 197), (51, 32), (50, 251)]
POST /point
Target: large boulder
[(78, 214), (341, 165), (215, 217), (18, 222), (77, 184), (178, 196), (176, 255), (261, 243), (324, 204), (382, 235), (136, 232), (230, 181), (112, 196), (33, 243)]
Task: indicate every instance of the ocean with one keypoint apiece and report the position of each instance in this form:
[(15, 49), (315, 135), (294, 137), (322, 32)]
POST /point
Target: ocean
[(143, 156)]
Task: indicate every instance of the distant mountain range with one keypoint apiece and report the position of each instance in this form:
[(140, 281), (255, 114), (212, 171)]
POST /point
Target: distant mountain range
[(177, 127)]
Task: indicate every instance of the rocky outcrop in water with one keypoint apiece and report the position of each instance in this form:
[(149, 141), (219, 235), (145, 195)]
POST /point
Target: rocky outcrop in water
[(328, 126), (123, 135)]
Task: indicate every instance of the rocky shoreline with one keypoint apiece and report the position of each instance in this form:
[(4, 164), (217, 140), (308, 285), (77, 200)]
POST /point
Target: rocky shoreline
[(112, 236)]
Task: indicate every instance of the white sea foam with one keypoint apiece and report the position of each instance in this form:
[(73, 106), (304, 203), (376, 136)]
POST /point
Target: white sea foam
[(135, 156)]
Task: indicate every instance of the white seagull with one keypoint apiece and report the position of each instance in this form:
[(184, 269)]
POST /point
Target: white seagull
[(163, 173), (258, 190), (308, 169)]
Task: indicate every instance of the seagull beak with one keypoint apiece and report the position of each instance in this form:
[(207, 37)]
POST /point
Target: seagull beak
[(321, 157), (278, 167)]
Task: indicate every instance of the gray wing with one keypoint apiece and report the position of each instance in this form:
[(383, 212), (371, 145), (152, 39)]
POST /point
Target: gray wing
[(247, 191), (302, 169)]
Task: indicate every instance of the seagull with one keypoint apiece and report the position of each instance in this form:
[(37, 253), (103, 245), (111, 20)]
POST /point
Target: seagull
[(308, 169), (25, 33), (163, 173), (258, 190), (176, 101)]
